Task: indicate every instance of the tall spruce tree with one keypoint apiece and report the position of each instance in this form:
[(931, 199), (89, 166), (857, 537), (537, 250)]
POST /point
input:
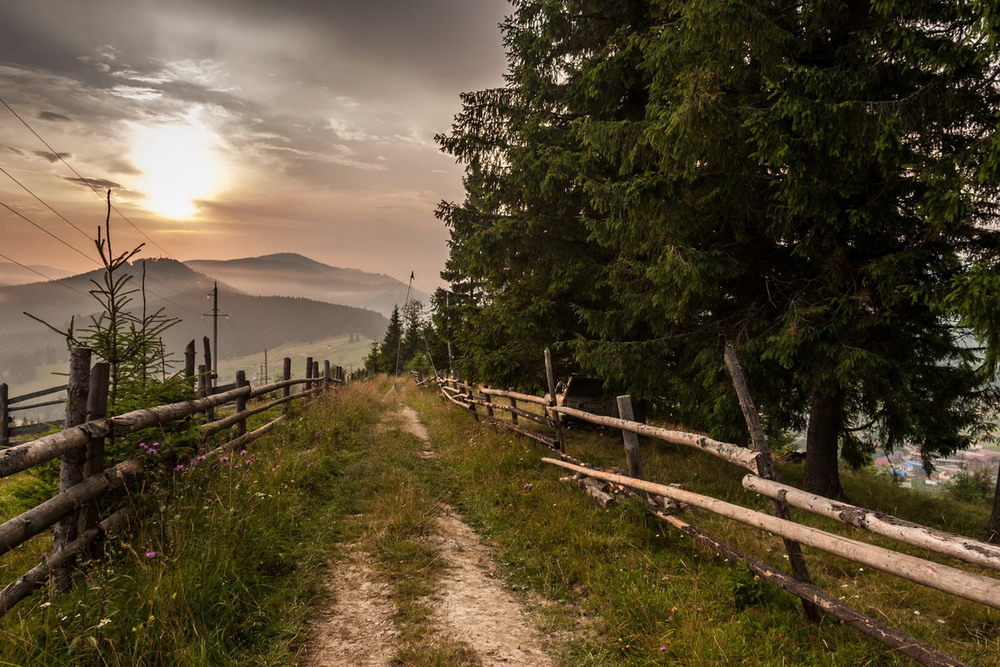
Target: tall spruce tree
[(804, 180)]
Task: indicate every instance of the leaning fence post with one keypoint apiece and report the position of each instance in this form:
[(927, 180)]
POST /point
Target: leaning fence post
[(513, 404), (286, 375), (4, 416), (72, 462), (241, 403), (550, 376), (766, 469), (631, 440)]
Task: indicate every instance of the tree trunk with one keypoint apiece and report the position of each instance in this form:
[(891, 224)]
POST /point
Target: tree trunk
[(821, 474)]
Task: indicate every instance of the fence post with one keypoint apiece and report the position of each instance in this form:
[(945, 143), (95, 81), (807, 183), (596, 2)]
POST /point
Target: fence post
[(72, 462), (97, 408), (326, 375), (286, 391), (472, 406), (766, 469), (4, 416), (309, 374), (513, 404), (241, 403), (489, 407), (315, 373), (632, 455), (210, 379), (550, 376), (189, 361)]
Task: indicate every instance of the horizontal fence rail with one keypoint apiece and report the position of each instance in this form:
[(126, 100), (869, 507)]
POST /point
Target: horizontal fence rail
[(963, 584)]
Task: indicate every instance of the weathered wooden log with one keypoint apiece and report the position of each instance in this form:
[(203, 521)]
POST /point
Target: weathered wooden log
[(245, 438), (97, 408), (22, 587), (73, 461), (880, 632), (949, 544), (527, 398), (594, 488), (44, 516), (274, 386), (21, 457), (740, 456), (976, 588)]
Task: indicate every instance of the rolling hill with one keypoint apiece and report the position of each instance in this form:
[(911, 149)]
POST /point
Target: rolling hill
[(253, 323), (289, 274)]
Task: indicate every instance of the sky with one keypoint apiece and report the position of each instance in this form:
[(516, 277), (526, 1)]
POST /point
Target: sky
[(238, 128)]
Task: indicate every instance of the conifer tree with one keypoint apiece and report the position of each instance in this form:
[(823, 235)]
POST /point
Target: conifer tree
[(807, 181)]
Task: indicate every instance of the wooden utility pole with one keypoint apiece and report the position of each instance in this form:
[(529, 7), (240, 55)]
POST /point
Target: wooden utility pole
[(215, 314)]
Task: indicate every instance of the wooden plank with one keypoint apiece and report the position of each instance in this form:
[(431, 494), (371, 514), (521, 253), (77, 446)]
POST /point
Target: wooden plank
[(984, 590)]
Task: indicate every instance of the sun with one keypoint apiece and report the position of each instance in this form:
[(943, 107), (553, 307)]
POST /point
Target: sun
[(180, 164)]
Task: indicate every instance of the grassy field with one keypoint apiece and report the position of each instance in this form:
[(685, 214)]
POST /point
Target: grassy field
[(239, 555)]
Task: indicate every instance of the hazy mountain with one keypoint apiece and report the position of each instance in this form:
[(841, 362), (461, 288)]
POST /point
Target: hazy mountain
[(253, 323), (13, 274), (288, 274)]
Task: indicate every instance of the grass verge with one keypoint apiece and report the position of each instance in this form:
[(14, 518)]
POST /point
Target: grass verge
[(653, 596)]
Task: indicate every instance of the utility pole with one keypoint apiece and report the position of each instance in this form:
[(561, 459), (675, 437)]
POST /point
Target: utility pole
[(399, 345), (214, 296)]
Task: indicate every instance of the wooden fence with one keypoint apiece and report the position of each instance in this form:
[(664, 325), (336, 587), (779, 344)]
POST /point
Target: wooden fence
[(83, 478), (662, 500), (11, 404)]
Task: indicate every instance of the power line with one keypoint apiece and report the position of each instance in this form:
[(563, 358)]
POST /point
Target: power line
[(82, 179), (25, 188), (36, 225)]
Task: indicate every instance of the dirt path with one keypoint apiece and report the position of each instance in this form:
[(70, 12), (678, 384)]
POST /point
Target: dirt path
[(471, 606)]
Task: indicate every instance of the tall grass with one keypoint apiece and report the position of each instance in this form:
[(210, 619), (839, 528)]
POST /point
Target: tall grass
[(224, 564), (228, 565)]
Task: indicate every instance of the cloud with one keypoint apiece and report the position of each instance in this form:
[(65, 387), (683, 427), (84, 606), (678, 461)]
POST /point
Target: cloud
[(53, 116), (52, 157), (91, 183)]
